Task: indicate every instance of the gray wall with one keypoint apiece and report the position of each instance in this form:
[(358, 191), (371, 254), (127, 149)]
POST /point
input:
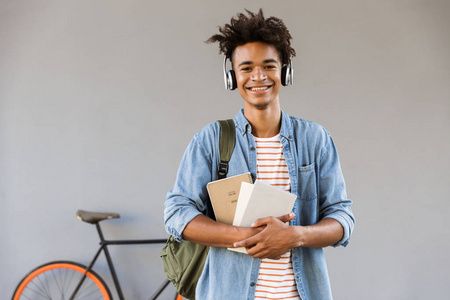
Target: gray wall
[(98, 100)]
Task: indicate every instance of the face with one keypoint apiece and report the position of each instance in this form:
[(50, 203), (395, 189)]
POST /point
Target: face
[(258, 74)]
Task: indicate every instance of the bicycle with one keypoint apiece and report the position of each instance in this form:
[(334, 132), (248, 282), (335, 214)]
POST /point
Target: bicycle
[(71, 280)]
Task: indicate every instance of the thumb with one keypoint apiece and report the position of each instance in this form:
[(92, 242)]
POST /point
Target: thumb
[(286, 218)]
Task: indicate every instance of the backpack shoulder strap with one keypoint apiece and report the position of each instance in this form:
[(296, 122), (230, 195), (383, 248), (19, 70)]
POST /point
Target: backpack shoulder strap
[(226, 145)]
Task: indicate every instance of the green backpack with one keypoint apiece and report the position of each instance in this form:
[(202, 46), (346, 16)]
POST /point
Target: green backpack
[(184, 261)]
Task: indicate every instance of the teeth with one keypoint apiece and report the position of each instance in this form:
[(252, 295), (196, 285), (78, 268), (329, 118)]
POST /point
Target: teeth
[(259, 88)]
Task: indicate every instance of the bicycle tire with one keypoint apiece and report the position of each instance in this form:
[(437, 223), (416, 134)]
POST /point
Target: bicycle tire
[(178, 297), (57, 280)]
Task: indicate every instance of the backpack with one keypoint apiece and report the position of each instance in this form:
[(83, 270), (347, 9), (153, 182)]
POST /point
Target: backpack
[(184, 261)]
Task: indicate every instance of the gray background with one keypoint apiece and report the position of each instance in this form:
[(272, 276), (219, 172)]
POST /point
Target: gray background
[(98, 100)]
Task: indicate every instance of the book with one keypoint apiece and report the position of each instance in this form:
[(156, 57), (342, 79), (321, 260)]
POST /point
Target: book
[(224, 194), (260, 200)]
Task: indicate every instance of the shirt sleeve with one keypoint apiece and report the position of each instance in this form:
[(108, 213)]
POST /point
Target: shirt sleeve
[(333, 202), (188, 197)]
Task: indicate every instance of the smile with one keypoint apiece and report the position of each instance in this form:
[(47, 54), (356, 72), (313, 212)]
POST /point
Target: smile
[(259, 88)]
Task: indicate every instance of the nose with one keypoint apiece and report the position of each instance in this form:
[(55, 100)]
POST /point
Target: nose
[(258, 74)]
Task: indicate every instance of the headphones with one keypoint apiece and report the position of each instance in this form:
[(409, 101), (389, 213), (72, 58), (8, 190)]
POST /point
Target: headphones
[(287, 76)]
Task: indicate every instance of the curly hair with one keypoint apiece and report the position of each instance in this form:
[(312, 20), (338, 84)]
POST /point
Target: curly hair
[(254, 28)]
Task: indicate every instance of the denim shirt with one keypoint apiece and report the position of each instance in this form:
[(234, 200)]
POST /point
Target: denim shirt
[(316, 179)]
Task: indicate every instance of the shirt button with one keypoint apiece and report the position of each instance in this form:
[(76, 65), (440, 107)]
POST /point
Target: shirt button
[(252, 284), (252, 148)]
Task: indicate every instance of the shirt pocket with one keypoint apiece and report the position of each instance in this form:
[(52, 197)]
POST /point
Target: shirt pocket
[(307, 182)]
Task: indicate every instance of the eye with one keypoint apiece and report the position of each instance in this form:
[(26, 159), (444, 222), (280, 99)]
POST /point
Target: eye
[(246, 69), (270, 67)]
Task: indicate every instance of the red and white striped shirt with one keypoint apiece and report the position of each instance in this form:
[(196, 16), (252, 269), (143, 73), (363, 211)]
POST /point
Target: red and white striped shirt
[(276, 277)]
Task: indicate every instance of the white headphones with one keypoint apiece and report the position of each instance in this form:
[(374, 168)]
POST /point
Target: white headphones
[(287, 75)]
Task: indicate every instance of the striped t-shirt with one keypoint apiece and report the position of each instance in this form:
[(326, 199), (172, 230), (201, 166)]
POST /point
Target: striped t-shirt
[(276, 277)]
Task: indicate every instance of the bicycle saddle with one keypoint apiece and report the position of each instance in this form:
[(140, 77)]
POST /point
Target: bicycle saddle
[(95, 217)]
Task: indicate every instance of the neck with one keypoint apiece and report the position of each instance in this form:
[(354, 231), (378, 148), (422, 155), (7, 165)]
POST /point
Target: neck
[(266, 122)]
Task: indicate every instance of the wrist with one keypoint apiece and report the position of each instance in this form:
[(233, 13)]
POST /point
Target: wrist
[(242, 233), (301, 234)]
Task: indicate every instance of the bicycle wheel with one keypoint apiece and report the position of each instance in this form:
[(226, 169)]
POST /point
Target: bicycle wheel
[(178, 297), (58, 280)]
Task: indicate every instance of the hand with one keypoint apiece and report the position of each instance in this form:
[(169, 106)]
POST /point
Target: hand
[(272, 241)]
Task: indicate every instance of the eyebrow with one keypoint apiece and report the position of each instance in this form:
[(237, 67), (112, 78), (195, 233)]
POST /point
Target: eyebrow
[(266, 61)]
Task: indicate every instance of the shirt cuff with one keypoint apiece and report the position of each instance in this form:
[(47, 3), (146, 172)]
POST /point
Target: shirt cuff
[(345, 225), (177, 229)]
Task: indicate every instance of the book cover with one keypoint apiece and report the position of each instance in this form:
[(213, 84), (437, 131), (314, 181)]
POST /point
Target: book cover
[(261, 200), (224, 194)]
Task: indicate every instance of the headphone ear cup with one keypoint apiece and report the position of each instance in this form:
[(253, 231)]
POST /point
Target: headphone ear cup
[(286, 76), (231, 80), (283, 75)]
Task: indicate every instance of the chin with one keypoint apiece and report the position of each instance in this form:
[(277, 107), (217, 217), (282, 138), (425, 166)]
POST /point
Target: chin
[(260, 104)]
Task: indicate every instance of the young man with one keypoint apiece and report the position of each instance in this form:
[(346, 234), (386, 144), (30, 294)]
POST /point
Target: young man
[(284, 260)]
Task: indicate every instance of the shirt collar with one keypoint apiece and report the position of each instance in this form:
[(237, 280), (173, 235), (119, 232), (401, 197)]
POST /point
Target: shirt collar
[(244, 126)]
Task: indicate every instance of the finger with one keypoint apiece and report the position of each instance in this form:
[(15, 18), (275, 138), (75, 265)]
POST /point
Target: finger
[(264, 221), (286, 218), (278, 257), (258, 252), (255, 252), (249, 242)]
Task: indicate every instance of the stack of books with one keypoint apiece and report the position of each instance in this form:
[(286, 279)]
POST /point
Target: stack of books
[(238, 202)]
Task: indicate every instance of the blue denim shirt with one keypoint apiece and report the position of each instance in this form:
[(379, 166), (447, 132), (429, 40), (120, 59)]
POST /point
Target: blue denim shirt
[(316, 179)]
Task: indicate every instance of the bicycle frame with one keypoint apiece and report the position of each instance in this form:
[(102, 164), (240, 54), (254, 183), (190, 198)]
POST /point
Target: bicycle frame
[(104, 247)]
